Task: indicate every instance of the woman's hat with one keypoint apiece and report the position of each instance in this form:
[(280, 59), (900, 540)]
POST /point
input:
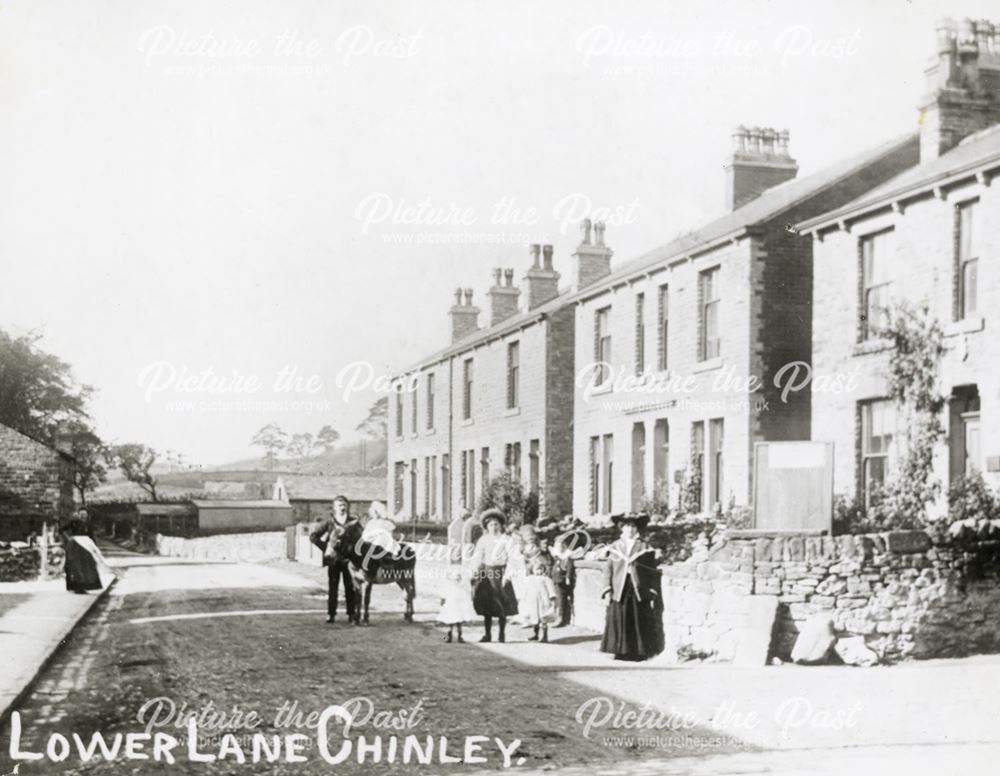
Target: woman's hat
[(492, 514), (639, 519)]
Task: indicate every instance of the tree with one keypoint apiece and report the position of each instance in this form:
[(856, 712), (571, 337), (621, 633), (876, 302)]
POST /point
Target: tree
[(327, 438), (37, 389), (375, 424), (90, 454), (273, 440), (136, 461), (301, 445)]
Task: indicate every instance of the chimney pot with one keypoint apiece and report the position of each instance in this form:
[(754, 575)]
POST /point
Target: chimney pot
[(503, 296), (967, 36), (946, 32), (464, 317), (599, 234), (767, 141), (535, 247), (783, 137), (740, 140), (585, 232), (541, 283), (984, 34)]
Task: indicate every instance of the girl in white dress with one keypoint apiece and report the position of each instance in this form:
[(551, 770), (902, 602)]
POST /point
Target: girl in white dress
[(537, 607), (456, 605)]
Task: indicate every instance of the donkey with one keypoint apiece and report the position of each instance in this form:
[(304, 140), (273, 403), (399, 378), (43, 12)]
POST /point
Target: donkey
[(370, 565)]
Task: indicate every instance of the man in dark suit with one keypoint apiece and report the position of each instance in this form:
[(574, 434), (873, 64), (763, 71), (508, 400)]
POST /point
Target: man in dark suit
[(325, 536)]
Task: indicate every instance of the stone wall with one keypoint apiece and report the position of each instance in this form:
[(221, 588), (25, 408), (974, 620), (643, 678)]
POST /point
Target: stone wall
[(244, 548), (22, 564), (904, 596)]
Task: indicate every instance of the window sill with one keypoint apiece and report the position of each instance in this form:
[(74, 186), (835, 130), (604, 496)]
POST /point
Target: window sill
[(867, 347), (429, 432), (966, 326), (601, 390), (707, 365), (466, 422), (511, 411)]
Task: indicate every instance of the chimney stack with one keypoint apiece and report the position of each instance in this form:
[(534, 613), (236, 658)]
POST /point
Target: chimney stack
[(760, 160), (464, 317), (541, 281), (592, 259), (963, 85), (503, 296)]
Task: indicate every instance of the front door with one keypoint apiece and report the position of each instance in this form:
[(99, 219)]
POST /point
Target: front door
[(970, 435)]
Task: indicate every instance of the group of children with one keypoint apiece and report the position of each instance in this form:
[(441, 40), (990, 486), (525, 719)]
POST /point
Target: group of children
[(543, 579)]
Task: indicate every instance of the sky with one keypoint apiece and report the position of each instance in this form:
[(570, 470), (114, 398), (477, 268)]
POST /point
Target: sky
[(230, 213)]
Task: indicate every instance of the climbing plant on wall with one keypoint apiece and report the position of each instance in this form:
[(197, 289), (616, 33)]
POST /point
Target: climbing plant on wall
[(914, 365)]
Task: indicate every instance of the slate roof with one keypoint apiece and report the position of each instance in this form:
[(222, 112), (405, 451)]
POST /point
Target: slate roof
[(978, 151), (769, 205)]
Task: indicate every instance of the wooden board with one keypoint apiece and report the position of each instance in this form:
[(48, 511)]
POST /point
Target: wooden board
[(793, 486)]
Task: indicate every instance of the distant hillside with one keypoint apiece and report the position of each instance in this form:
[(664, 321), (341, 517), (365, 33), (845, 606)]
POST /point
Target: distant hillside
[(247, 484), (366, 457)]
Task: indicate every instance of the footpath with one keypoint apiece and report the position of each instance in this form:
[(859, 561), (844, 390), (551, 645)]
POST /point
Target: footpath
[(38, 624)]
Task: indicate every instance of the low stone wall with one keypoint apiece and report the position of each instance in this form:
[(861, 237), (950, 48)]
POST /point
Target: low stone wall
[(23, 564), (903, 596), (244, 547)]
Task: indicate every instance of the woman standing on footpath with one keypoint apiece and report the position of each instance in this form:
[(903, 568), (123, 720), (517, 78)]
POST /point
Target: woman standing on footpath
[(634, 626), (493, 595), (83, 559)]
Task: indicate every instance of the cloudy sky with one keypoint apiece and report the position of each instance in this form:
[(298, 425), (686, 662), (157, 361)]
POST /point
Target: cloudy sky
[(198, 198)]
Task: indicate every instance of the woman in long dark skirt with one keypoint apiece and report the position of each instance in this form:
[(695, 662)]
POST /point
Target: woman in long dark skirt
[(82, 556), (493, 594), (633, 629)]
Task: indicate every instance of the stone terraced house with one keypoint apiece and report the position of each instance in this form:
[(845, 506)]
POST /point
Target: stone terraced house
[(499, 397), (657, 377), (679, 350), (931, 235)]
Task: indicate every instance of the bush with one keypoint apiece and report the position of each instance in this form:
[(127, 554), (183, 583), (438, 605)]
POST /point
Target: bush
[(737, 517), (849, 516), (970, 498), (691, 490), (506, 493), (657, 503)]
